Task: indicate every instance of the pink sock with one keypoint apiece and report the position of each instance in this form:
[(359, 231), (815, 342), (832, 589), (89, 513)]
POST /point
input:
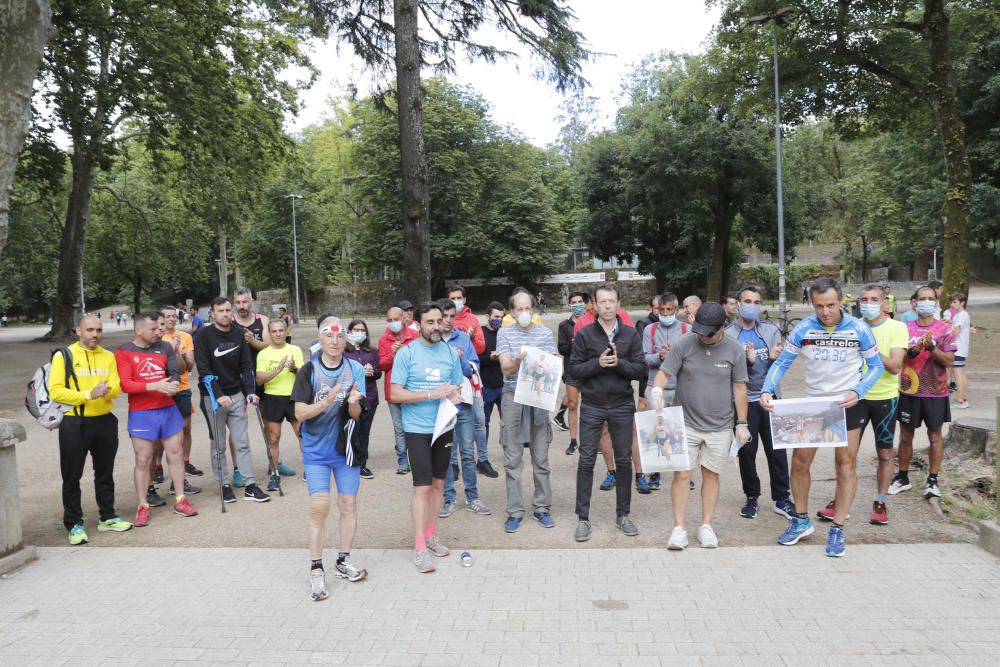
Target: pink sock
[(420, 543), (429, 532)]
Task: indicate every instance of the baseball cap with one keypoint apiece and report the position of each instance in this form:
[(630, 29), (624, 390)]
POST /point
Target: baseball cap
[(709, 319), (404, 305)]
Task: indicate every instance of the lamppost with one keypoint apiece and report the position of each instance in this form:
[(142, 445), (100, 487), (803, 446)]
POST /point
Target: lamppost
[(779, 19), (295, 254)]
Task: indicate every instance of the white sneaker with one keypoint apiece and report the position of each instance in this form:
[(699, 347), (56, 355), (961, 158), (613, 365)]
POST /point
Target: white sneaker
[(960, 405), (678, 539), (898, 486), (707, 538)]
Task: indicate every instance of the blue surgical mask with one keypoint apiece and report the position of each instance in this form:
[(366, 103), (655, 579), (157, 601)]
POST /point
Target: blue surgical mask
[(749, 311), (395, 327), (926, 307), (668, 320), (496, 322), (459, 304), (871, 311), (577, 309)]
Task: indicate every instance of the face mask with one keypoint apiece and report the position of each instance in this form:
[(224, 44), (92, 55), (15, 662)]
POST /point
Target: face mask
[(871, 311), (395, 327), (496, 322), (524, 319), (668, 320), (459, 304), (926, 307), (357, 338), (749, 311), (577, 309)]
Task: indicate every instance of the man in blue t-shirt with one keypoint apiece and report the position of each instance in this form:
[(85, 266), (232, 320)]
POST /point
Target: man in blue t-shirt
[(423, 373), (322, 386)]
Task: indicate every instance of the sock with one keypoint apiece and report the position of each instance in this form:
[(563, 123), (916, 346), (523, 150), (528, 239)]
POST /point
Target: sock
[(187, 462), (420, 543), (146, 505), (342, 556), (932, 477), (429, 531), (801, 515), (150, 489), (317, 564), (638, 476), (904, 475), (837, 525), (159, 466), (572, 442), (881, 499), (179, 498)]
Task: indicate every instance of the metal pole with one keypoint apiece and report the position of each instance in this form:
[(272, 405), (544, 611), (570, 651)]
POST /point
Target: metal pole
[(782, 297), (83, 298), (295, 252)]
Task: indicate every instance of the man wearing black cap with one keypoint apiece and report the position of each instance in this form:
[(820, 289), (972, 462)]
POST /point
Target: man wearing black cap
[(407, 309), (711, 374)]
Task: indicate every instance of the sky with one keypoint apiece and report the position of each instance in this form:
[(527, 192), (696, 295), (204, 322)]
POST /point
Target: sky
[(624, 31)]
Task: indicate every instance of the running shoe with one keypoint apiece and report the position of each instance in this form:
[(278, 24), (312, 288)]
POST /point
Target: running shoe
[(115, 524), (749, 509), (827, 513), (77, 535), (273, 484), (544, 518), (931, 489), (141, 517), (436, 548), (284, 470), (189, 489), (227, 494), (559, 419), (707, 537), (571, 450), (345, 569), (626, 525), (486, 469), (158, 475), (678, 539), (423, 562), (512, 524), (641, 484), (654, 481), (785, 508), (153, 499), (254, 493), (317, 585), (798, 528), (183, 507), (609, 482), (447, 509), (960, 405), (366, 473), (899, 484), (190, 470), (835, 542), (238, 480), (583, 530), (880, 514), (479, 507), (401, 469)]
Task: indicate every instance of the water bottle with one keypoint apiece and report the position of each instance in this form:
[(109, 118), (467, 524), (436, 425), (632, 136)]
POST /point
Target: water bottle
[(466, 559)]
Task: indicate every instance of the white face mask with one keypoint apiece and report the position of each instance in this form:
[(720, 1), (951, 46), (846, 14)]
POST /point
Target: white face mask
[(524, 319), (459, 304)]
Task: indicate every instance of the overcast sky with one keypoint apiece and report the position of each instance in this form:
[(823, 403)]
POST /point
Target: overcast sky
[(625, 30)]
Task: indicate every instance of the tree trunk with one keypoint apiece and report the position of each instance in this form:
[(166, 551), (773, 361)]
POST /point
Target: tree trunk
[(25, 26), (415, 213), (864, 259), (718, 269), (223, 265), (136, 294), (67, 307), (955, 213)]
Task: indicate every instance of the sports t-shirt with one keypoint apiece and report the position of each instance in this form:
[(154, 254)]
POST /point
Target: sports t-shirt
[(705, 377), (268, 361), (511, 339), (139, 366), (835, 359), (963, 323), (922, 375), (313, 383), (421, 367), (889, 334), (187, 345)]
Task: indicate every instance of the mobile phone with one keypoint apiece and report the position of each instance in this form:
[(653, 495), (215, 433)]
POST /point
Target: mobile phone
[(610, 350)]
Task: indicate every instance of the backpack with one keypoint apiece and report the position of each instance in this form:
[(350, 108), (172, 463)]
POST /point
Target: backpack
[(37, 401), (685, 327)]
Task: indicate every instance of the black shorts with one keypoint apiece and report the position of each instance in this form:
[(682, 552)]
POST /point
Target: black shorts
[(277, 408), (931, 411), (857, 415), (882, 416), (182, 400), (428, 462)]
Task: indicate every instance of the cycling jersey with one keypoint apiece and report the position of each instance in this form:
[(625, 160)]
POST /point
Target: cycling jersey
[(834, 360)]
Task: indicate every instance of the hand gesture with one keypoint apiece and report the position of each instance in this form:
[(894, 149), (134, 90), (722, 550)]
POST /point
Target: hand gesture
[(767, 401), (849, 399), (609, 358), (168, 387), (225, 401), (176, 343), (283, 364), (751, 353), (354, 396), (742, 434), (925, 342), (657, 396), (442, 390), (493, 355), (472, 331), (100, 390), (248, 336), (369, 371), (395, 347), (663, 351), (776, 350), (461, 352), (331, 396)]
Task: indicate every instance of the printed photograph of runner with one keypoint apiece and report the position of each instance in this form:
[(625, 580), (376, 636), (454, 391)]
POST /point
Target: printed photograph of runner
[(808, 422), (539, 379), (662, 440)]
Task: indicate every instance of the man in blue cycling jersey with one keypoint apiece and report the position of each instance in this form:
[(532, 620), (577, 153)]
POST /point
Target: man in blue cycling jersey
[(841, 361)]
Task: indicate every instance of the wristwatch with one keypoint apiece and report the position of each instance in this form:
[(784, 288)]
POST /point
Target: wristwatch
[(741, 424)]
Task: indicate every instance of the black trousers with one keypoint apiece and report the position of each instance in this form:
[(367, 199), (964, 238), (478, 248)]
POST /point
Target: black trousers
[(364, 436), (592, 419), (79, 436), (777, 461)]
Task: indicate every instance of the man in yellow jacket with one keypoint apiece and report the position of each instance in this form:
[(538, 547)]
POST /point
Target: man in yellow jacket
[(91, 387)]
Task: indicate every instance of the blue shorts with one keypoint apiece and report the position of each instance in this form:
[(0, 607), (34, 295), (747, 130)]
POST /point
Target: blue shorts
[(348, 478), (157, 424)]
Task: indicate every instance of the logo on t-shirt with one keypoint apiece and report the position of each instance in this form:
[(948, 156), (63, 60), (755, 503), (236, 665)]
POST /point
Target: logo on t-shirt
[(432, 374), (149, 370)]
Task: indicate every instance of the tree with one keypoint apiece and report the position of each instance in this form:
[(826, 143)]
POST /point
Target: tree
[(387, 42), (178, 69), (868, 60), (24, 29)]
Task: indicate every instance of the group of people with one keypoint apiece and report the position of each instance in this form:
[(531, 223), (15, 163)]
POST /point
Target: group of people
[(721, 362)]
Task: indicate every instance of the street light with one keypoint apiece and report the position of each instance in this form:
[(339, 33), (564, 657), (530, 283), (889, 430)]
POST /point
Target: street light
[(779, 19), (295, 254)]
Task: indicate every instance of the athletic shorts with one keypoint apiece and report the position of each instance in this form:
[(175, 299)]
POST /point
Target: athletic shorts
[(959, 362), (427, 461), (156, 424), (348, 478), (182, 400), (931, 411), (709, 449), (277, 408), (882, 417), (856, 415)]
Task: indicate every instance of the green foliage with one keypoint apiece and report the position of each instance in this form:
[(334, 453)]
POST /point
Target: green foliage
[(766, 276)]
